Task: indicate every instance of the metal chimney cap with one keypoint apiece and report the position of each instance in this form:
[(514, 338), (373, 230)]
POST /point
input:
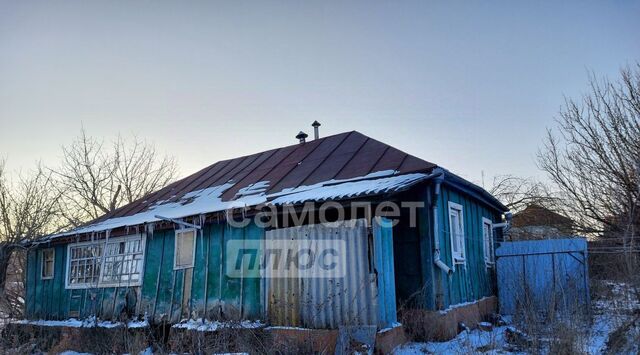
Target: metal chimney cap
[(302, 136), (315, 124)]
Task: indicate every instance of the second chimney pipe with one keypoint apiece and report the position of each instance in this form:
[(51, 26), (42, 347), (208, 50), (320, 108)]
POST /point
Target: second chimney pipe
[(316, 130)]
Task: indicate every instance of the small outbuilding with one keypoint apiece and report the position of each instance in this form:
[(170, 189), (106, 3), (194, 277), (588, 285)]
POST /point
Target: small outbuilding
[(403, 233)]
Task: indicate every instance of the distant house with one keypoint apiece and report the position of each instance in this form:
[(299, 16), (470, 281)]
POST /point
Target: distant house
[(537, 222), (170, 256)]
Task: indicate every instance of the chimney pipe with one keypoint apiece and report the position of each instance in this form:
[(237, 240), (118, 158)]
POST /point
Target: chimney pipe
[(302, 137), (316, 130)]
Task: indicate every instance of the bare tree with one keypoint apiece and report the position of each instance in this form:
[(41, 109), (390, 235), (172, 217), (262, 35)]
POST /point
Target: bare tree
[(28, 209), (517, 193), (92, 180), (95, 179), (594, 158)]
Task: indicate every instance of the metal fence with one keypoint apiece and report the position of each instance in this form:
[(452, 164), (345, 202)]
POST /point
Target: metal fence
[(543, 276)]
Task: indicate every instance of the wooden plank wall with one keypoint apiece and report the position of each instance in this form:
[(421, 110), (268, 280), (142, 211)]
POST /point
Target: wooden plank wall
[(473, 280), (49, 299), (203, 291)]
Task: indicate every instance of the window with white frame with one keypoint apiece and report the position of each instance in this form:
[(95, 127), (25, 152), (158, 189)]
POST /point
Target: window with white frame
[(106, 263), (48, 261), (456, 231), (123, 260), (487, 237), (185, 251)]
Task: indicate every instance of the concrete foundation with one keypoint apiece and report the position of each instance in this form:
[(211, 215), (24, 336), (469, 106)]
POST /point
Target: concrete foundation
[(445, 325)]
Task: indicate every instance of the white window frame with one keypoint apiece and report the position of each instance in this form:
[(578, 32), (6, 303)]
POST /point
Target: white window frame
[(142, 239), (489, 253), (175, 249), (103, 242), (458, 257), (42, 261)]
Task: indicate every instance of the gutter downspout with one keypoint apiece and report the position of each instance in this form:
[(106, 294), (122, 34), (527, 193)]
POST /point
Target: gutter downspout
[(438, 179)]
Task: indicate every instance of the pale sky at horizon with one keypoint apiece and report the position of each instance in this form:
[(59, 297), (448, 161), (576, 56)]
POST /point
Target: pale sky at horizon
[(468, 86)]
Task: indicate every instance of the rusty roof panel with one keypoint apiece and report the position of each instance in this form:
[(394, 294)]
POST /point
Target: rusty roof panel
[(343, 156), (390, 160), (337, 159), (364, 160), (291, 162), (310, 164)]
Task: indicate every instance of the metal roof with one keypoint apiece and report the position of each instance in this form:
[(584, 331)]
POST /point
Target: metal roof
[(342, 156)]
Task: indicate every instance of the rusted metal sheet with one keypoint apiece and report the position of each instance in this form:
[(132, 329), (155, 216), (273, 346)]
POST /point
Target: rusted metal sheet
[(345, 155), (340, 297)]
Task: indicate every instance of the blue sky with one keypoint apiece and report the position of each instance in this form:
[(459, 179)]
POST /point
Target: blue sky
[(471, 86)]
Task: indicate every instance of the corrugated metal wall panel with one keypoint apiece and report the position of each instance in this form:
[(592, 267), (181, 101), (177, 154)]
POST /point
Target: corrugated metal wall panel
[(328, 302)]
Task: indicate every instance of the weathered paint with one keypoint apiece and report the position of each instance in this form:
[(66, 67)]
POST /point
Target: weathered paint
[(544, 272), (418, 282), (473, 280), (49, 299), (205, 291), (364, 296), (165, 295)]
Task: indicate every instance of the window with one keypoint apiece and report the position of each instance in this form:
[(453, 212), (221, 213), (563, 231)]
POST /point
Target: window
[(185, 252), (106, 263), (123, 262), (487, 237), (48, 260), (456, 231)]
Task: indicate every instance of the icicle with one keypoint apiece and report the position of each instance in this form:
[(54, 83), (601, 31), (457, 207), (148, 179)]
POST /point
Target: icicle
[(149, 227)]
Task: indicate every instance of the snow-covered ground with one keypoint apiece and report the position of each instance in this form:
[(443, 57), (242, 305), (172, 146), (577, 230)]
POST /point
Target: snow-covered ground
[(468, 342), (615, 320)]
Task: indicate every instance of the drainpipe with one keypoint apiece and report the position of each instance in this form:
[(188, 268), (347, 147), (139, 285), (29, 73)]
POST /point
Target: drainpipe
[(438, 179)]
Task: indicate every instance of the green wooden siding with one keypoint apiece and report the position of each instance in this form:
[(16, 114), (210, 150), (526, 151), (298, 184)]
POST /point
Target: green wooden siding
[(205, 291), (165, 294), (473, 280)]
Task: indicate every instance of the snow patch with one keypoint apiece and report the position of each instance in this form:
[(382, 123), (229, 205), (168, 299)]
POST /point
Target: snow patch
[(86, 323), (459, 305), (203, 325), (209, 200)]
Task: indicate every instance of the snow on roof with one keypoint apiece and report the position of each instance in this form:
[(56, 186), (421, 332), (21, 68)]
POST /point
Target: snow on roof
[(209, 200)]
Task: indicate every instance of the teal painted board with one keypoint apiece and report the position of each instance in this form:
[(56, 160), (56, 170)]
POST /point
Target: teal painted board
[(107, 301), (251, 287), (198, 284), (39, 292), (58, 285), (383, 250), (176, 295), (153, 261), (232, 286), (166, 284), (30, 281), (214, 272)]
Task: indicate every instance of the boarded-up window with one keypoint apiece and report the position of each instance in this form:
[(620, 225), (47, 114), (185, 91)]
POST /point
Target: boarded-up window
[(48, 261), (185, 249), (487, 237), (456, 231)]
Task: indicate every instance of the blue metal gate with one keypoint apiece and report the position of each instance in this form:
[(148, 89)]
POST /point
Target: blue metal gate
[(543, 275)]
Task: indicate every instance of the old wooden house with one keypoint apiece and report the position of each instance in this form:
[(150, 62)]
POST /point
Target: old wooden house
[(165, 257)]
